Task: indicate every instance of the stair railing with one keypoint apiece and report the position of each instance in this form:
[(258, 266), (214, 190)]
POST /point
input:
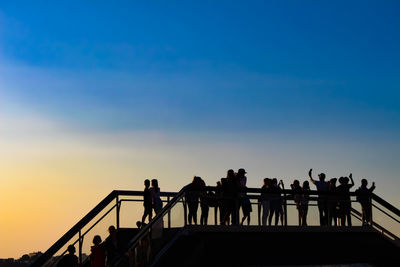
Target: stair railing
[(49, 257), (253, 193)]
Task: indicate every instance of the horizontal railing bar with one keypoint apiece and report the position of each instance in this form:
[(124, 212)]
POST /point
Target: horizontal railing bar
[(287, 194), (140, 193), (386, 204), (74, 230), (83, 235), (145, 230), (381, 228), (387, 214)]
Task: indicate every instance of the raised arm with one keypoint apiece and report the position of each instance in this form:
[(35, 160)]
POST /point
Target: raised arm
[(351, 179), (310, 175), (372, 188)]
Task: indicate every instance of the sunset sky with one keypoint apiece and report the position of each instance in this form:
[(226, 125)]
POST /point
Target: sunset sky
[(96, 97)]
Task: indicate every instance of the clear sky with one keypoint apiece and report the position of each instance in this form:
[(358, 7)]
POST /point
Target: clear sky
[(96, 96)]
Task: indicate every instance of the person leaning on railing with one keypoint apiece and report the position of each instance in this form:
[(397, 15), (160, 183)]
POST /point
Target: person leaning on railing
[(192, 199)]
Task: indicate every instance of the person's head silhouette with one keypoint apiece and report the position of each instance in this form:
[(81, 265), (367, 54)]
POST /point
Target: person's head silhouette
[(241, 172), (147, 183), (154, 183), (321, 176), (112, 230), (306, 185), (364, 182), (296, 184), (96, 240), (71, 249), (230, 174)]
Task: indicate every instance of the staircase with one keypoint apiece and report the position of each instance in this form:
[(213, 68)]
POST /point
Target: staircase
[(180, 244)]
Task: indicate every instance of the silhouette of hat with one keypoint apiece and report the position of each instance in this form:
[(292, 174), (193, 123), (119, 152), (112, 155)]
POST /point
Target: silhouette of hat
[(241, 170)]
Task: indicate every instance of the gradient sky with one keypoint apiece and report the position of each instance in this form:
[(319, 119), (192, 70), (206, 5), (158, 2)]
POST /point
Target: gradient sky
[(99, 96)]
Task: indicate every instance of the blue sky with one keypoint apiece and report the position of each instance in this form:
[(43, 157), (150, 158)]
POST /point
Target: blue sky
[(172, 89), (269, 64)]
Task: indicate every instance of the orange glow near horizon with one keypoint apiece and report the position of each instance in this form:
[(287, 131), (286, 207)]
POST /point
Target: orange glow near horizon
[(51, 177)]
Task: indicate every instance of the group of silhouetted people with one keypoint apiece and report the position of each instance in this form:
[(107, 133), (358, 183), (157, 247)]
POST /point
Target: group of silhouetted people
[(334, 203), (334, 206), (229, 197), (151, 199), (102, 253)]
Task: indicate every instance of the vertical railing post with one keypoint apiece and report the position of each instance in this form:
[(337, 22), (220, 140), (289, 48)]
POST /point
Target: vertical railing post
[(80, 244), (371, 222), (169, 214), (184, 211), (284, 204), (216, 215), (259, 211), (117, 210)]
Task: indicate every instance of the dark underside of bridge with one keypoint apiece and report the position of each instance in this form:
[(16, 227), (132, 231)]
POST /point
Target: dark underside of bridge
[(263, 246)]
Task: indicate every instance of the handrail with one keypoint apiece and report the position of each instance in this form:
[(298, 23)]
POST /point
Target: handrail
[(376, 225), (42, 259), (386, 204), (74, 230), (176, 196), (145, 230)]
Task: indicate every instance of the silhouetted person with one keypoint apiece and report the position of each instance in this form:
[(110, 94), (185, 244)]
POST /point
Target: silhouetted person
[(275, 202), (69, 260), (297, 196), (265, 200), (98, 254), (242, 177), (322, 186), (205, 202), (225, 202), (147, 201), (220, 201), (246, 208), (233, 195), (332, 203), (158, 226), (364, 197), (142, 250), (344, 199), (242, 181), (192, 199), (304, 203), (155, 196), (112, 245)]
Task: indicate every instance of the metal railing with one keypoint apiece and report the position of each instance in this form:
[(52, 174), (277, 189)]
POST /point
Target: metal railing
[(113, 202), (76, 235)]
